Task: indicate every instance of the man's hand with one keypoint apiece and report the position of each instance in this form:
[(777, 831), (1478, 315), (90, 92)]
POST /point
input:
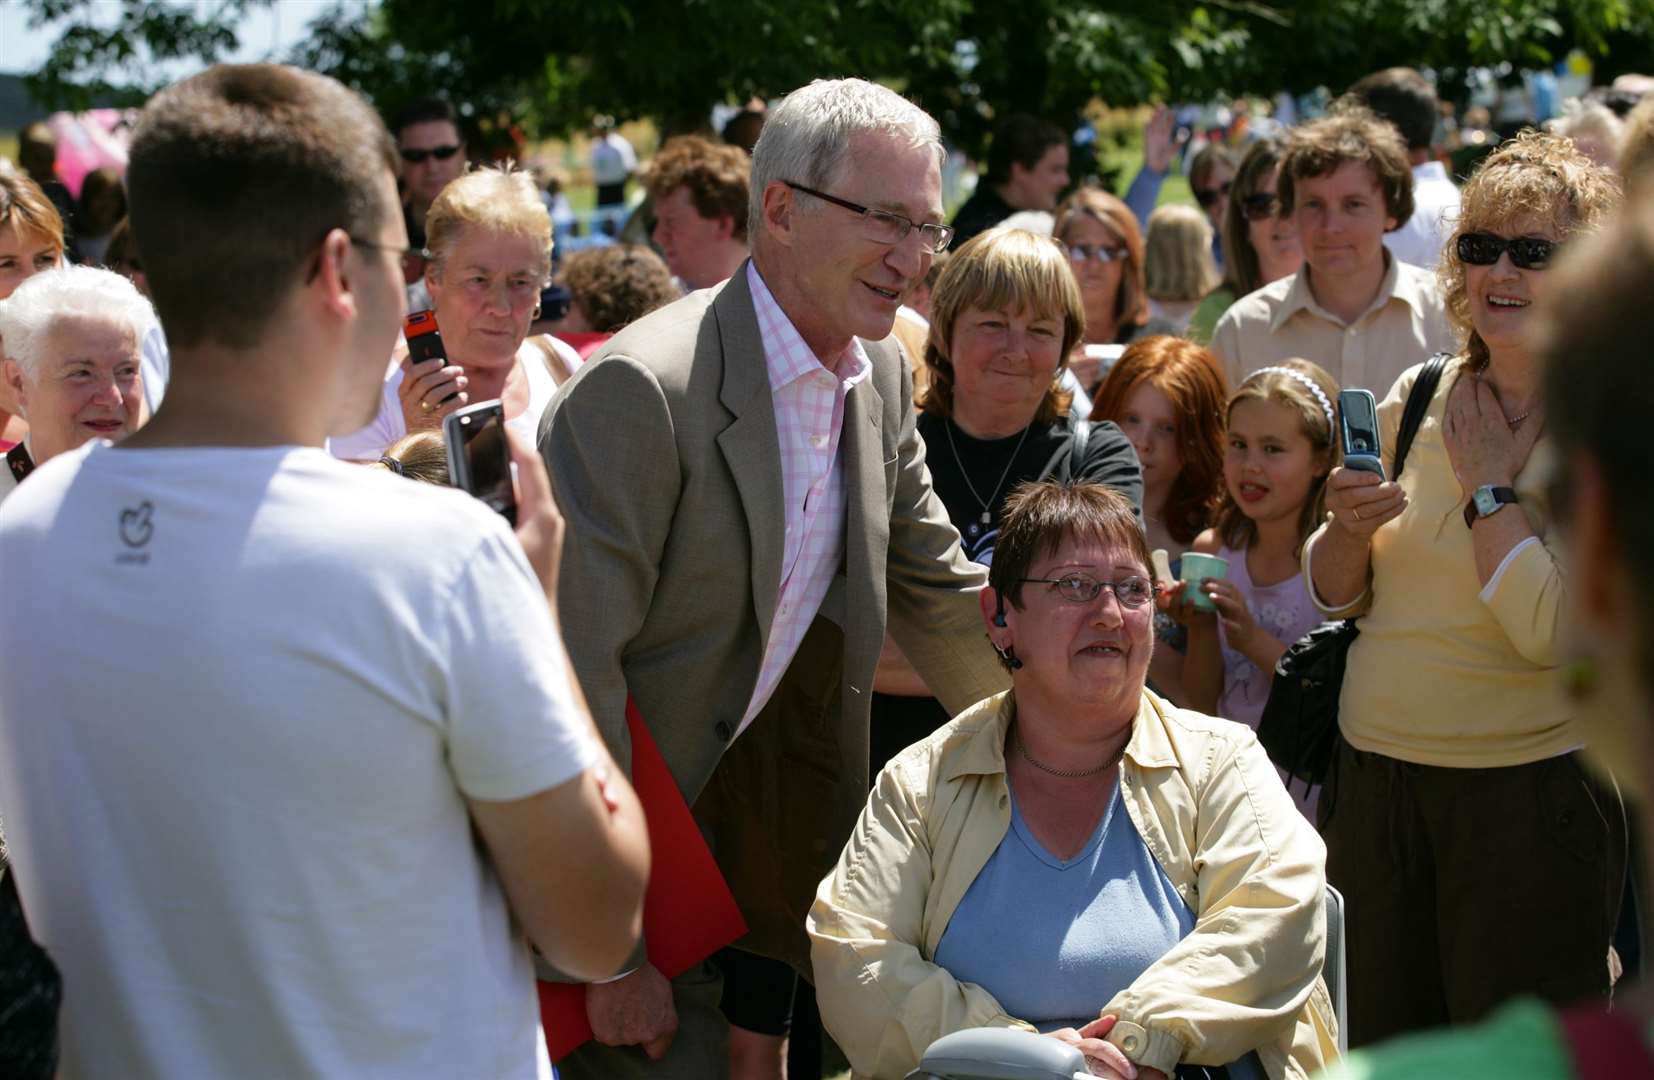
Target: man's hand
[(1160, 140), (634, 1011), (539, 524)]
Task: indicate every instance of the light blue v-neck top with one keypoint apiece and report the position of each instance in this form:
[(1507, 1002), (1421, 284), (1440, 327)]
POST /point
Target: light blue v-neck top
[(1054, 940)]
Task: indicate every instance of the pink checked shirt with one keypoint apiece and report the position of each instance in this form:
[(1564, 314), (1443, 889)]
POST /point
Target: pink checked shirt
[(809, 415)]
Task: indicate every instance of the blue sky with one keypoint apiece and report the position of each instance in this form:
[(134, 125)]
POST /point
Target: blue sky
[(266, 32)]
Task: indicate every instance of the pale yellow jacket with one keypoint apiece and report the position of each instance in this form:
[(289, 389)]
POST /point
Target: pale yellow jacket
[(1210, 808)]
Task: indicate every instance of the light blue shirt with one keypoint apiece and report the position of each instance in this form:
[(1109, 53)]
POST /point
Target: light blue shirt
[(1053, 940)]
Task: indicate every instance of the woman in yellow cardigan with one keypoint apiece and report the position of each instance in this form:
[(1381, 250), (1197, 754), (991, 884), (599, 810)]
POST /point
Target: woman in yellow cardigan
[(1077, 856), (1480, 861)]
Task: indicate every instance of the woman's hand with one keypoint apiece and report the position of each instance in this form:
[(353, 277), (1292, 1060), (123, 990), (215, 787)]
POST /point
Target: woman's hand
[(1102, 1057), (422, 395), (1360, 502), (1160, 140), (1480, 444)]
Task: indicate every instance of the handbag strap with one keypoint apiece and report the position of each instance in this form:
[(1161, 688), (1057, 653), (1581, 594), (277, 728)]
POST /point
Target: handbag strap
[(1077, 447), (1418, 403)]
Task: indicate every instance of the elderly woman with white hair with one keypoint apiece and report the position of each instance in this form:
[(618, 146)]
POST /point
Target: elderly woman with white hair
[(72, 339), (488, 250)]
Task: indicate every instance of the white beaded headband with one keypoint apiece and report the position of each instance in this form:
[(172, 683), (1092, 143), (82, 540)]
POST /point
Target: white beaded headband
[(1319, 394)]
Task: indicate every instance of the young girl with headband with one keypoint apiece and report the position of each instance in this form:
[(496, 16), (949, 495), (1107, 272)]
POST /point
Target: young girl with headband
[(1280, 445)]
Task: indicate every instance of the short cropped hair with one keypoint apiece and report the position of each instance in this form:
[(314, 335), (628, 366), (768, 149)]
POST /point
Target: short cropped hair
[(616, 285), (1404, 98), (1177, 256), (807, 137), (1351, 133), (1023, 140), (1534, 176), (28, 315), (714, 174), (499, 197), (425, 111), (1040, 515), (25, 208), (1002, 269), (1596, 383), (236, 175), (1131, 307)]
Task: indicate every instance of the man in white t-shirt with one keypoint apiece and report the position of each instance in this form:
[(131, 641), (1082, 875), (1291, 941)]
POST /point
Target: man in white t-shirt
[(1406, 99), (288, 747)]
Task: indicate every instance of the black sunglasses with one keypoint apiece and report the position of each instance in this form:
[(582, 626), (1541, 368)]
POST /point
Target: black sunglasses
[(1259, 206), (1527, 252), (414, 156), (1208, 196)]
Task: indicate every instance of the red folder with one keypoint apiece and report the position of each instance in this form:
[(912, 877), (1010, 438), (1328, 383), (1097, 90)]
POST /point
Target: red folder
[(688, 911)]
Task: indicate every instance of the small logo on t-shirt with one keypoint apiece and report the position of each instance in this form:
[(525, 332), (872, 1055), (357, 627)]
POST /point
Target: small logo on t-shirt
[(136, 530)]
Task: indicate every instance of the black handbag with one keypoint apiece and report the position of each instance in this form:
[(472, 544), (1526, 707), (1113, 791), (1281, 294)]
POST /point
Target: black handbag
[(1299, 725)]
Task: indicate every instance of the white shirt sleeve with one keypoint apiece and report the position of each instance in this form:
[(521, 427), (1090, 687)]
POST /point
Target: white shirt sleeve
[(514, 725)]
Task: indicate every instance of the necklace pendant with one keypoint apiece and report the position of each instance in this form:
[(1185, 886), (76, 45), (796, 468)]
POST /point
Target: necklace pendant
[(985, 518)]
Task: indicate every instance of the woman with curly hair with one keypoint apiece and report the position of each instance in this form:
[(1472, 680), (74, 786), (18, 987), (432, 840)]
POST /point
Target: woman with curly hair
[(1486, 862)]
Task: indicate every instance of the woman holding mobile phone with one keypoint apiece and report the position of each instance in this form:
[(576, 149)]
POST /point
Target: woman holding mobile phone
[(1481, 862), (488, 253)]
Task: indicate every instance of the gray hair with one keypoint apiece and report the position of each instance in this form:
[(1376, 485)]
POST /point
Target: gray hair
[(806, 138), (28, 315)]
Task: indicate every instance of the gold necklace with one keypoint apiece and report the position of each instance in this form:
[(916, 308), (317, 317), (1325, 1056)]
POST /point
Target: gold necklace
[(1066, 774)]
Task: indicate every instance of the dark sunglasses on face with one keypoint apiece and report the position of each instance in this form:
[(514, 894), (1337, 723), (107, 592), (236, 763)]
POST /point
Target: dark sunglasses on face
[(415, 157), (1260, 206), (1209, 196), (1088, 252), (1527, 252)]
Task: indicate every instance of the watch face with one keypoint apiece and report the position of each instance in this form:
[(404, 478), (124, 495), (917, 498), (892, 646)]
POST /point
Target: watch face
[(1485, 501)]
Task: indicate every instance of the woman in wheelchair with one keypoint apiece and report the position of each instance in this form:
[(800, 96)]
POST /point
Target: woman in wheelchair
[(1076, 856)]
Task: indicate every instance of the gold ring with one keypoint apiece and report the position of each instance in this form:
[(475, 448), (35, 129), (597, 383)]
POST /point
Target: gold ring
[(1356, 511), (426, 405)]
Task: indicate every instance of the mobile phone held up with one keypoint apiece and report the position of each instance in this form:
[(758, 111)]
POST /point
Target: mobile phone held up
[(425, 342), (1358, 427), (479, 457)]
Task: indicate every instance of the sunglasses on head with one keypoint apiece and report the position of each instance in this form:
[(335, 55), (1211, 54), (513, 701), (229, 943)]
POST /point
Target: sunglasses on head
[(1260, 206), (1527, 252), (415, 157), (1088, 252), (1208, 196)]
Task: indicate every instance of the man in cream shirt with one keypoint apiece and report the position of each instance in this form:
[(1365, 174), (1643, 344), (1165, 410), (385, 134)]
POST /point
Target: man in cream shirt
[(1355, 309)]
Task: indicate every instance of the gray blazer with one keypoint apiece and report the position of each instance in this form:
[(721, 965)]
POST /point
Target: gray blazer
[(665, 461)]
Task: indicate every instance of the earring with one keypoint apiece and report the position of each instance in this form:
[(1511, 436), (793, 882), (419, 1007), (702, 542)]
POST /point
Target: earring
[(536, 314), (1007, 655)]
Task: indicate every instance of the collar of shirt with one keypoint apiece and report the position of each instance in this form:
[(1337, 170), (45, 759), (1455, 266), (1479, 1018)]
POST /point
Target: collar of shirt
[(786, 357), (1397, 284), (984, 752)]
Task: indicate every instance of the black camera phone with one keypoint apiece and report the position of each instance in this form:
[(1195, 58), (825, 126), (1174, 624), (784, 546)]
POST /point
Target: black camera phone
[(479, 457)]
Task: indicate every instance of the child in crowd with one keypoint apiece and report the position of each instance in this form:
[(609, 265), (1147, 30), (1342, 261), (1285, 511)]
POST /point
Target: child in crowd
[(1167, 395), (1280, 448)]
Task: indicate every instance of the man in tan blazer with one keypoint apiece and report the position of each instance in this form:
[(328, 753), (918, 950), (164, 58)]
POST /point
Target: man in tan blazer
[(748, 506)]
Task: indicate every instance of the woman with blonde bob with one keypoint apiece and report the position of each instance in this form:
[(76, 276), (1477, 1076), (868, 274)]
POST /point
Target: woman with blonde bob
[(1178, 269), (488, 255), (1076, 856), (31, 242), (1004, 316), (1457, 784)]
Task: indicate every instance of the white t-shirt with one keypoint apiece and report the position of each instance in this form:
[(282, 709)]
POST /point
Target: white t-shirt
[(368, 443), (243, 696), (1435, 215)]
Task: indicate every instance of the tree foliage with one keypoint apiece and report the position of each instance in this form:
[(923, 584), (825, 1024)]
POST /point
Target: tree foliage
[(551, 64)]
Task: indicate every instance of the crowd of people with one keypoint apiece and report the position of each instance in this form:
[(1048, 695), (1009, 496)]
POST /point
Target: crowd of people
[(911, 592)]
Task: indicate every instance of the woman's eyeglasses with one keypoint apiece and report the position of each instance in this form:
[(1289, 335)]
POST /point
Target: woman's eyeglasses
[(1132, 592), (1260, 206), (1208, 197), (1098, 252), (1527, 252)]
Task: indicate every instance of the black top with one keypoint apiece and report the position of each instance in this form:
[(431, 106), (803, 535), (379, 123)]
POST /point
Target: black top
[(1046, 453), (981, 212)]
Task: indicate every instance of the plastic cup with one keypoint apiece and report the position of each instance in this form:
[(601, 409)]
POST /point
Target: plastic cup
[(1196, 566)]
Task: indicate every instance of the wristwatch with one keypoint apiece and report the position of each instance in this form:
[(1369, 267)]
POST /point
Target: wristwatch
[(1486, 500)]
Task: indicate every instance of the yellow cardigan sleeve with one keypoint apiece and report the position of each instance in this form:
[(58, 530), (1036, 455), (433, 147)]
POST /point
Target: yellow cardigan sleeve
[(1240, 978), (883, 1002), (1525, 595)]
